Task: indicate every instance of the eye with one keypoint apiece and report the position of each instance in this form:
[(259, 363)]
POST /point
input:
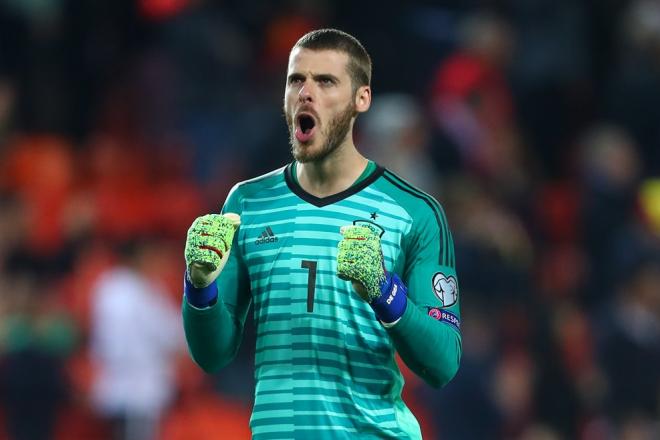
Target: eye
[(326, 81), (293, 80)]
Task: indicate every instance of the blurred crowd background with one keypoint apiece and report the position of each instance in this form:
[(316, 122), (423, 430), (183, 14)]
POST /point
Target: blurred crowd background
[(536, 123)]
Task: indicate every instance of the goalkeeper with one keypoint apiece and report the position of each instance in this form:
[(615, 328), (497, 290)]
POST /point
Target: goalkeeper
[(345, 264)]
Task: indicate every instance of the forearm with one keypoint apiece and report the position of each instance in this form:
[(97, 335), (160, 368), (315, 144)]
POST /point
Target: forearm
[(213, 334), (429, 348)]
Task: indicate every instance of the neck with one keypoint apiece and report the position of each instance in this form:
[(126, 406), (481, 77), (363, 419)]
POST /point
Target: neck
[(333, 174)]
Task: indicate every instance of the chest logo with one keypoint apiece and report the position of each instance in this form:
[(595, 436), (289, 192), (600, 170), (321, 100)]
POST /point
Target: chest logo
[(267, 236)]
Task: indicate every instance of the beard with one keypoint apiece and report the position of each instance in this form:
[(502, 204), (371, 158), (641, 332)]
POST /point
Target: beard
[(336, 132)]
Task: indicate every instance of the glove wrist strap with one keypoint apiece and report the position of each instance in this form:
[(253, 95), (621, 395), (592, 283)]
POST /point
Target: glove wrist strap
[(391, 304), (199, 297)]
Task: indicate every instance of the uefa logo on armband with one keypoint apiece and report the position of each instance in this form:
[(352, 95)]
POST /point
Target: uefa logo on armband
[(435, 313), (444, 316)]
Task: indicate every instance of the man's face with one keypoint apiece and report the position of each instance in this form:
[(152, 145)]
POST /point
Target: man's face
[(318, 103)]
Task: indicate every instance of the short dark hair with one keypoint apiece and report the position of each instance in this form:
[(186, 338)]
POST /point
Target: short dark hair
[(359, 61)]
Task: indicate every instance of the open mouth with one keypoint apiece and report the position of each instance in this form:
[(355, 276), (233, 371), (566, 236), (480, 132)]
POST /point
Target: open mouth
[(305, 125)]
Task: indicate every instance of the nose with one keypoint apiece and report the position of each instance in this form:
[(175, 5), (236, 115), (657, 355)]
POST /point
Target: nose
[(305, 94)]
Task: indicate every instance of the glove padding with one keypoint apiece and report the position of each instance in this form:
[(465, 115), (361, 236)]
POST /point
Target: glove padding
[(208, 245), (360, 260)]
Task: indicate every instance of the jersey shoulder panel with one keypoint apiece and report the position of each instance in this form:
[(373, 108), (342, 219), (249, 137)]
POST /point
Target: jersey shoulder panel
[(421, 206), (261, 183), (250, 187), (428, 216)]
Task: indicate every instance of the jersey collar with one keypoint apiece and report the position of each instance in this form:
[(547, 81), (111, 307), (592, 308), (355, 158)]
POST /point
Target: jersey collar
[(295, 187)]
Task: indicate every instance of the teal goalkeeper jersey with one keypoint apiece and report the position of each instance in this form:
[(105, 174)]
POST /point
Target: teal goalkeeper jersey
[(324, 365)]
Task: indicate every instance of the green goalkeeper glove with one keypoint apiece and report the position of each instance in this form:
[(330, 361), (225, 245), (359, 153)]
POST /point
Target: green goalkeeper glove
[(208, 244), (360, 260)]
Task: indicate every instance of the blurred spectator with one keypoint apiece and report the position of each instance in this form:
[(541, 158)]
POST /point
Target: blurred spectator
[(396, 134), (491, 242), (472, 103), (633, 87), (610, 174), (513, 392), (629, 347), (40, 170), (206, 52), (34, 342), (471, 391), (136, 334), (292, 19), (549, 76)]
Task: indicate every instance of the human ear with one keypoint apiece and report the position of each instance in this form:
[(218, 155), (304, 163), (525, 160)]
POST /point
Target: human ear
[(362, 99)]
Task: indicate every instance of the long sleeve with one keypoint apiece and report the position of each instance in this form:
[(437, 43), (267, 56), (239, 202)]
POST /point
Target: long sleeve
[(214, 333), (429, 348), (427, 337)]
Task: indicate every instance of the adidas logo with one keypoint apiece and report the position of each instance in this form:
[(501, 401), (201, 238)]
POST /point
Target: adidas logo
[(267, 236)]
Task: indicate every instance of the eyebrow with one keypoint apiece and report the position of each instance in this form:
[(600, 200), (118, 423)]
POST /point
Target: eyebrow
[(316, 77), (324, 76), (295, 76)]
